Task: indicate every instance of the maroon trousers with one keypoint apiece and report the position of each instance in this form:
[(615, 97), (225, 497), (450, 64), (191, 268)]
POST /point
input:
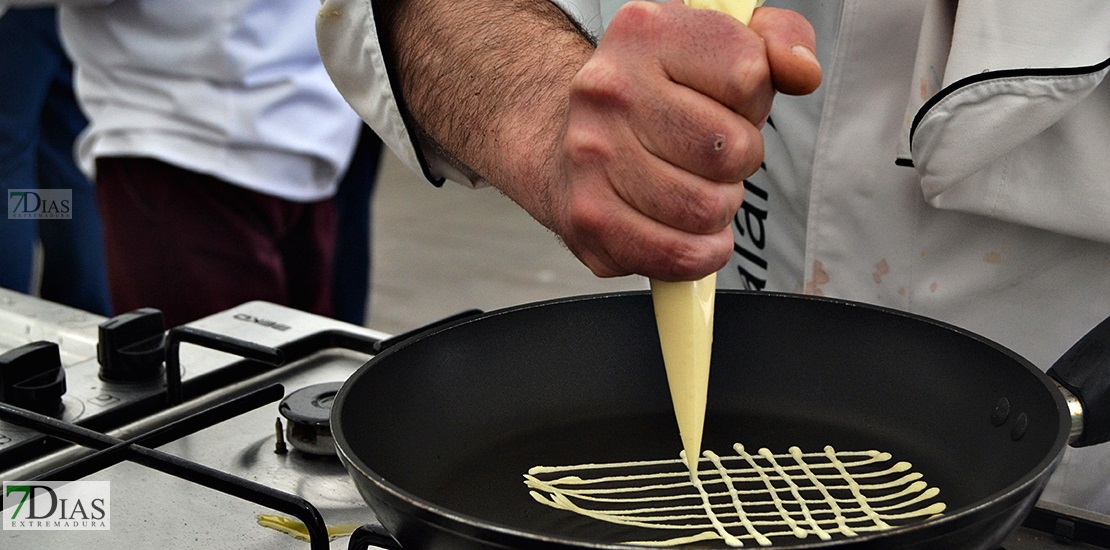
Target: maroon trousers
[(191, 245)]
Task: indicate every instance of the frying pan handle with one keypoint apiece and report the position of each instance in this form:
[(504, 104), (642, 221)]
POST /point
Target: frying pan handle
[(372, 535), (389, 342), (1085, 372)]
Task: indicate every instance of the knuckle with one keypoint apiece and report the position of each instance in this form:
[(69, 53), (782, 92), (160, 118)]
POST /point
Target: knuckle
[(732, 156), (583, 146), (690, 257), (753, 68), (684, 262), (748, 74), (585, 218), (604, 270), (708, 211), (745, 157), (601, 83), (693, 259), (638, 18)]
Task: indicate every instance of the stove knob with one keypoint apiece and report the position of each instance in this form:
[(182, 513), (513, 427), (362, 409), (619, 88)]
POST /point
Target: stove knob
[(32, 378), (132, 346)]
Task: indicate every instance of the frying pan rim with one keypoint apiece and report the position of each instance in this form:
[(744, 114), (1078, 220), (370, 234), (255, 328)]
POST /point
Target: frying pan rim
[(423, 509)]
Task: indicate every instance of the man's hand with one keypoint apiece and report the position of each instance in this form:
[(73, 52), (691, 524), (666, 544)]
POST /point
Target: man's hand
[(634, 152), (663, 126)]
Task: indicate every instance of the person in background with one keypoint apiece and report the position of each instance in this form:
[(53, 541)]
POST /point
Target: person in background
[(216, 141), (951, 163), (39, 123), (353, 255)]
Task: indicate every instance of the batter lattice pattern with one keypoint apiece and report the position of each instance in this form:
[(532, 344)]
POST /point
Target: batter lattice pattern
[(761, 497)]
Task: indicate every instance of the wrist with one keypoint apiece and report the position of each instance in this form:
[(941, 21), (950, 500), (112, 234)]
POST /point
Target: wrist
[(486, 82)]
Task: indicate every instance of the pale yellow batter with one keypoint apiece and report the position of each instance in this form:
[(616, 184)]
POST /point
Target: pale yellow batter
[(740, 9), (755, 498), (684, 315)]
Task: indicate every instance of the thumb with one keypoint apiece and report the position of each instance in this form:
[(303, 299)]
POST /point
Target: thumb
[(791, 44)]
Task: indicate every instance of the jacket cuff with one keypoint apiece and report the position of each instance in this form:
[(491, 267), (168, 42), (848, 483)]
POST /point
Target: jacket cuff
[(347, 35), (1010, 113)]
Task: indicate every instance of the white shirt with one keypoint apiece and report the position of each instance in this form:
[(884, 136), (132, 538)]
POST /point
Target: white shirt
[(233, 89), (1002, 225)]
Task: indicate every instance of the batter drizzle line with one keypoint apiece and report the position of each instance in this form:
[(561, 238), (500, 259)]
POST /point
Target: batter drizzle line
[(842, 526), (865, 506), (760, 497)]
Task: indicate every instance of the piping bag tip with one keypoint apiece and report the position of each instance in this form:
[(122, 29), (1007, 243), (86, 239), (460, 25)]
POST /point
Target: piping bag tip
[(684, 318)]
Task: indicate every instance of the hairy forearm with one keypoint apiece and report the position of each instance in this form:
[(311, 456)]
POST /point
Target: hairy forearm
[(488, 82), (632, 152)]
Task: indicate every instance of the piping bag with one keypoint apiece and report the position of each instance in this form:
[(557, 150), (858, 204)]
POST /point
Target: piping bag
[(684, 316)]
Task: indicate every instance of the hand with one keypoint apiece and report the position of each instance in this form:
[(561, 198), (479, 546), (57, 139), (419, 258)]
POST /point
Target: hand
[(663, 127)]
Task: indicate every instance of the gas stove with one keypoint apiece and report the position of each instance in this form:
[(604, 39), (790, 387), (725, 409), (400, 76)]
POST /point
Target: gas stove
[(229, 413), (161, 509)]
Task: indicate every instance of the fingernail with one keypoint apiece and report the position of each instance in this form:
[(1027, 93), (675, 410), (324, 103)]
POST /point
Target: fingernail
[(804, 53)]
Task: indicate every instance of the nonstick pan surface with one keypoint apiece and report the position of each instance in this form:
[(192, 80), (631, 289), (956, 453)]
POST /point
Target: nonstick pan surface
[(438, 431)]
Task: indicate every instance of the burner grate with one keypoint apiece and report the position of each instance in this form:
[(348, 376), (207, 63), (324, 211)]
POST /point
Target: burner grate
[(112, 450)]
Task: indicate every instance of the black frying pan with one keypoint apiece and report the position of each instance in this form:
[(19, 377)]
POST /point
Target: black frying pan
[(438, 430)]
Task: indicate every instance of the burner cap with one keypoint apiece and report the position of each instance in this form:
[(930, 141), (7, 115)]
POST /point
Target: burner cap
[(308, 411)]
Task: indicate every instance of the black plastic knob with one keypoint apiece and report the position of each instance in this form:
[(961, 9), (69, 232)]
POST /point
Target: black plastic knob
[(32, 378), (132, 346)]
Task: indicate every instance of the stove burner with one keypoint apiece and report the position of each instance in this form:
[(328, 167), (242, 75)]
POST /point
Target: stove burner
[(308, 411)]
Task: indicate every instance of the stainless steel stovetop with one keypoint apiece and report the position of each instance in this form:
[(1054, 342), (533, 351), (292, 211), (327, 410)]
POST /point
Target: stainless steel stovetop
[(163, 511), (158, 510)]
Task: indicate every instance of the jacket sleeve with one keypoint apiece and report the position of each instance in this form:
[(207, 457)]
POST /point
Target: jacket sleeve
[(347, 36), (1010, 112)]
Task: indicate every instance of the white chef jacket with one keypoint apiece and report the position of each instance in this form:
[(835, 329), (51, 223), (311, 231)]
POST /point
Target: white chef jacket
[(234, 89), (954, 164)]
